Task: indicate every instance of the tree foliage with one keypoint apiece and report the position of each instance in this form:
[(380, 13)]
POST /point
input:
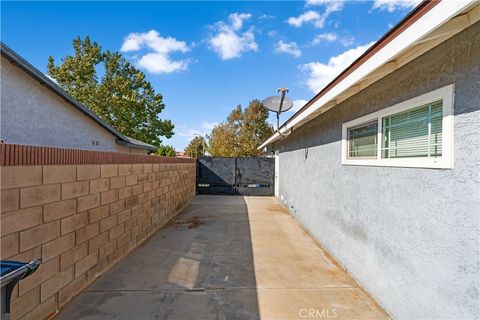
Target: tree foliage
[(114, 89), (166, 151), (242, 132), (196, 147), (222, 141)]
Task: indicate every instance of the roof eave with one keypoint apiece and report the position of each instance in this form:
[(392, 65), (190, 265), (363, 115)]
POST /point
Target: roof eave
[(137, 146), (319, 101)]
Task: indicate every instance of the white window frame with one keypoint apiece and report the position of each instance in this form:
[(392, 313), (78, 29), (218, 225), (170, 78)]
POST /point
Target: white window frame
[(446, 94)]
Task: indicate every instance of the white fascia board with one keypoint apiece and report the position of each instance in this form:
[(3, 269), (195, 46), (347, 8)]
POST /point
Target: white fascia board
[(437, 16)]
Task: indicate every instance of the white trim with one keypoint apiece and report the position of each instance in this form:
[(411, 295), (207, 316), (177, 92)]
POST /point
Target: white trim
[(414, 34), (444, 162)]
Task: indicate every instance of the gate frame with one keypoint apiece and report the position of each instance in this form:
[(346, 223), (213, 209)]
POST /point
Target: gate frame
[(257, 187)]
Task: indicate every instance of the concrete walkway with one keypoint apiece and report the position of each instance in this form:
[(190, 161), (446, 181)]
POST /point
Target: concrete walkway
[(226, 258)]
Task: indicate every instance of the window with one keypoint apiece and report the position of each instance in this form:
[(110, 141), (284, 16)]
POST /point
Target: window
[(362, 141), (414, 133)]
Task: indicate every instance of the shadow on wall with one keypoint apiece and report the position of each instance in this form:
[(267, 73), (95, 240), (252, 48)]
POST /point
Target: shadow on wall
[(200, 266)]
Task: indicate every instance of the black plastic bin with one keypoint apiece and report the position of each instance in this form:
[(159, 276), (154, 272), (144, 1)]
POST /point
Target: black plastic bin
[(11, 273)]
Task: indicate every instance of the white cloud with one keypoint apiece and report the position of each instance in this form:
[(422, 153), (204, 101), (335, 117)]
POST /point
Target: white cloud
[(266, 16), (190, 133), (289, 48), (228, 42), (328, 36), (346, 41), (318, 20), (392, 5), (203, 129), (209, 125), (158, 61), (320, 74), (332, 5), (309, 16), (237, 19), (272, 33), (131, 43), (332, 37), (298, 104)]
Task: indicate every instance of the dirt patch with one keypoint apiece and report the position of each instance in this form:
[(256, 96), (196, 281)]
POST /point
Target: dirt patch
[(192, 223)]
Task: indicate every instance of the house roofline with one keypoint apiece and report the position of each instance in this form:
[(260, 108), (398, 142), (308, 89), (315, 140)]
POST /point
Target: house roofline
[(407, 21), (307, 112), (36, 74)]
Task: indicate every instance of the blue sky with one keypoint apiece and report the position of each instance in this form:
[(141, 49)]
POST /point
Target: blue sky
[(207, 57)]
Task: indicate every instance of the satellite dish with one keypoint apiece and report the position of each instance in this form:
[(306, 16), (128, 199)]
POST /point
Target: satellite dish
[(279, 104), (273, 103)]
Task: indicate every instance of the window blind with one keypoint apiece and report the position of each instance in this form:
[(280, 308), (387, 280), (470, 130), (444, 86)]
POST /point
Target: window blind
[(362, 141), (413, 133)]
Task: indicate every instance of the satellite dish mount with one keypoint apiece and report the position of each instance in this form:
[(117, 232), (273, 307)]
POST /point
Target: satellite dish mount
[(279, 104)]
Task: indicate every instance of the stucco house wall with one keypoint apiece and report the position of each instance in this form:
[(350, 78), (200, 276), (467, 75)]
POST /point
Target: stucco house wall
[(31, 114), (409, 235)]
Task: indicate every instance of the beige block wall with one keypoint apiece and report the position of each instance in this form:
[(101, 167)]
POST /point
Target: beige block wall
[(80, 220)]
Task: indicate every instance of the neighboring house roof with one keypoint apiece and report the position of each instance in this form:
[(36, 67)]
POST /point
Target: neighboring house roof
[(24, 65), (428, 25), (181, 154)]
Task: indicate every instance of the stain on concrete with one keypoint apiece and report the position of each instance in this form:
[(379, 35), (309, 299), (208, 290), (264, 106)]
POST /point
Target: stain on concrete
[(278, 208), (191, 223)]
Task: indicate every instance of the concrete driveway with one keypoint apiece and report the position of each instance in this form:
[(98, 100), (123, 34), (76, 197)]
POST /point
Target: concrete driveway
[(226, 257)]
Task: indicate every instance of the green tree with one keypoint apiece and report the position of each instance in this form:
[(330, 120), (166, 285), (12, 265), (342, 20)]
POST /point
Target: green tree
[(166, 151), (242, 132), (196, 148), (114, 89)]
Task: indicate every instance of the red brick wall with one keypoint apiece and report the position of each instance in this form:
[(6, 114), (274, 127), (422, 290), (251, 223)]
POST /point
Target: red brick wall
[(81, 219)]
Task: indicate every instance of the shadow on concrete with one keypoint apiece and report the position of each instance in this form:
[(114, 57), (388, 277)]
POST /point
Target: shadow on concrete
[(200, 266)]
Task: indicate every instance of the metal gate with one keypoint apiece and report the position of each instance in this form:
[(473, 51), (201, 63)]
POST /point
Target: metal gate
[(236, 176)]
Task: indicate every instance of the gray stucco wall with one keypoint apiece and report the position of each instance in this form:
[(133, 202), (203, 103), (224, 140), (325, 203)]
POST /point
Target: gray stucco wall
[(410, 236), (33, 115)]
